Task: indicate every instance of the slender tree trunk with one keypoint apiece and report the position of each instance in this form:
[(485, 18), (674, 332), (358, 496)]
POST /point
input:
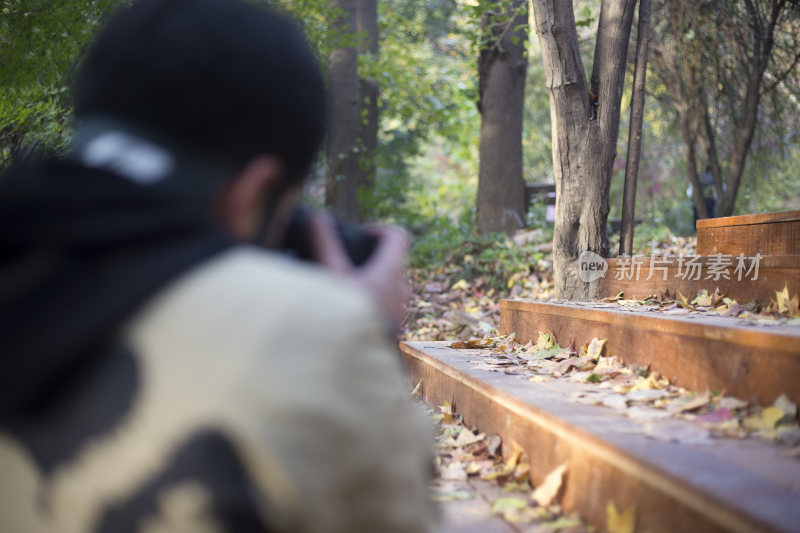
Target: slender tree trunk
[(341, 188), (635, 131), (368, 93), (584, 139), (501, 70), (689, 137)]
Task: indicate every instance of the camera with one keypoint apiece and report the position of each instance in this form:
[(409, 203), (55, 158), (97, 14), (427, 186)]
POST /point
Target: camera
[(357, 242)]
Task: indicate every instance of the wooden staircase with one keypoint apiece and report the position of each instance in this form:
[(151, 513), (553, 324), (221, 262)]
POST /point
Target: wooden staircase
[(771, 240), (673, 484)]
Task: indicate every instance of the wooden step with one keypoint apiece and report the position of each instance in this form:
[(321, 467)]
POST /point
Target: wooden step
[(767, 234), (698, 352), (731, 485), (635, 277)]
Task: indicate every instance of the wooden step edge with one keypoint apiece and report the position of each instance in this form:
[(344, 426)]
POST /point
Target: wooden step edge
[(752, 363), (650, 477), (746, 220), (726, 329)]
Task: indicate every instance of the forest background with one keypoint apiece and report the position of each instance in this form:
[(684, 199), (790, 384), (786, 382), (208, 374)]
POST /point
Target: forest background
[(417, 66)]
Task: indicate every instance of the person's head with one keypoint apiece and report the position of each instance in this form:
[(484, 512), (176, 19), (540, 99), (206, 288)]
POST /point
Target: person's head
[(224, 78)]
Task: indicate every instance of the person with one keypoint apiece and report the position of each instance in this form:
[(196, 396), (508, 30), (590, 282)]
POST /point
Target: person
[(709, 194), (165, 366)]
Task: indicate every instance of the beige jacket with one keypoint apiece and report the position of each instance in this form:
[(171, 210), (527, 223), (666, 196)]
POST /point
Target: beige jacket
[(289, 370)]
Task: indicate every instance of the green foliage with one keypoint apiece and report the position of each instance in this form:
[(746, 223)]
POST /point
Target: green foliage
[(429, 128), (41, 44)]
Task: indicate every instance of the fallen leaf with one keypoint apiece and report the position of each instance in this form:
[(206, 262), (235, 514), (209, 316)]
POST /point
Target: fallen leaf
[(722, 414), (454, 472), (731, 403), (682, 405), (787, 306), (607, 365), (466, 437), (545, 341), (595, 349), (619, 296), (786, 405), (447, 413), (472, 344), (645, 383), (509, 466), (475, 467), (548, 353), (493, 444), (684, 303), (460, 285), (549, 489), (563, 367), (619, 522), (767, 419), (417, 389), (507, 506)]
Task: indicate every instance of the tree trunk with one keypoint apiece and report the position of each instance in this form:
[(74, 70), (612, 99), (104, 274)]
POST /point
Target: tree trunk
[(691, 164), (584, 139), (368, 92), (501, 70), (635, 131), (341, 188)]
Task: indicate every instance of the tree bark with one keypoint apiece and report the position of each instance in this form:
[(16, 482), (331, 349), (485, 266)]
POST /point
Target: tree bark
[(341, 188), (368, 93), (501, 70), (635, 131), (584, 140)]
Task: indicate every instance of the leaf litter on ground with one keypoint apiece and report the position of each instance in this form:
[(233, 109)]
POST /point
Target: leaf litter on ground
[(639, 394), (466, 460)]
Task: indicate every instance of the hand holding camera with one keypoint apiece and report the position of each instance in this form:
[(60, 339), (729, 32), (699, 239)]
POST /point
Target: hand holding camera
[(381, 271)]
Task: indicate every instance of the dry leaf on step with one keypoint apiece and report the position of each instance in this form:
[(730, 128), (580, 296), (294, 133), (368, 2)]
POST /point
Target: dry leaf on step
[(595, 349), (786, 405), (619, 522), (549, 489)]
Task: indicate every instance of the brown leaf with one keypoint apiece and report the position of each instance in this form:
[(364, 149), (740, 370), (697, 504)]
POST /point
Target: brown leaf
[(563, 367)]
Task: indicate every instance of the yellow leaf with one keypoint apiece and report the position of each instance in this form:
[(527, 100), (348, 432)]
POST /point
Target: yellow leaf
[(702, 299), (595, 349), (417, 389), (545, 341), (786, 305), (648, 383), (460, 285), (619, 522), (447, 413), (550, 487), (765, 420)]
